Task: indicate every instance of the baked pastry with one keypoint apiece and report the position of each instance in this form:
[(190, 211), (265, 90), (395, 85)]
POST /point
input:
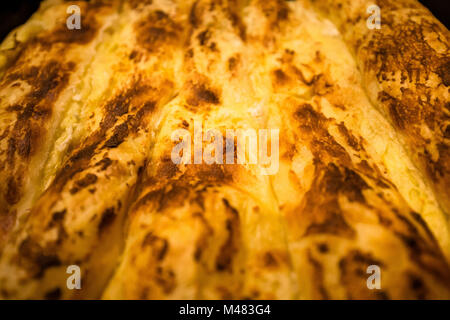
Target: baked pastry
[(88, 176)]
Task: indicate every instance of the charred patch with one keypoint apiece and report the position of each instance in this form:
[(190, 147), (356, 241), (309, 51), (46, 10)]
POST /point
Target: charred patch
[(204, 237), (280, 78), (157, 31), (36, 108), (237, 23), (417, 286), (13, 192), (136, 3), (233, 63), (167, 169), (54, 294), (350, 138), (128, 100), (418, 218), (203, 37), (134, 56), (83, 183), (36, 259), (274, 259), (104, 163), (7, 222), (318, 277), (57, 218), (313, 127), (323, 247), (310, 120), (137, 121), (159, 245), (230, 246), (276, 12), (320, 206), (193, 17), (397, 111), (201, 94), (171, 196), (334, 224), (444, 72), (165, 278), (77, 163), (119, 135), (107, 219)]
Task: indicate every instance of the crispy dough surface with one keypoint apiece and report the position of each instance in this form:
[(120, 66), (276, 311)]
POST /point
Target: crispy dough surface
[(86, 172)]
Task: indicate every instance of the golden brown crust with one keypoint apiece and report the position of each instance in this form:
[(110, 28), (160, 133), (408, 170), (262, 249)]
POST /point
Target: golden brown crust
[(405, 66), (34, 94)]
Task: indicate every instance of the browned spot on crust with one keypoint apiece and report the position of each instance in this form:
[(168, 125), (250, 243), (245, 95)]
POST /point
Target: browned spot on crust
[(334, 224), (417, 286), (33, 113), (193, 18), (318, 277), (412, 73), (13, 193), (130, 101), (203, 239), (236, 20), (136, 3), (137, 121), (57, 217), (274, 259), (119, 135), (35, 109), (35, 258), (351, 139), (203, 37), (54, 294), (165, 278), (7, 222), (313, 127), (280, 78), (159, 245), (276, 12), (230, 246), (107, 219), (320, 209), (233, 62), (444, 72), (104, 163), (84, 182), (157, 31), (201, 94), (165, 198), (323, 248), (135, 56)]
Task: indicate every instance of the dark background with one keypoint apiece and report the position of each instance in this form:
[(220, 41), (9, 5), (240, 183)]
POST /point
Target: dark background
[(14, 13)]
